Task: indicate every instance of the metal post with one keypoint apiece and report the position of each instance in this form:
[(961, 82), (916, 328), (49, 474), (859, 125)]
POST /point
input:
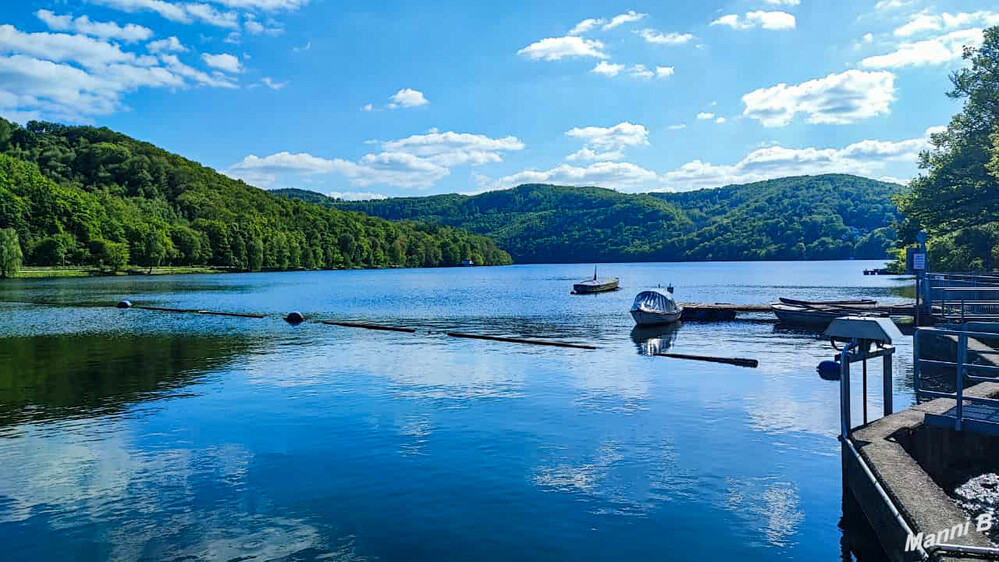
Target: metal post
[(962, 311), (915, 362), (844, 390), (962, 356), (886, 399), (864, 386)]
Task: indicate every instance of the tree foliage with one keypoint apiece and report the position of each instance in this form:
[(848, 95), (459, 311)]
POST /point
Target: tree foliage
[(83, 195), (956, 198), (808, 217), (10, 252)]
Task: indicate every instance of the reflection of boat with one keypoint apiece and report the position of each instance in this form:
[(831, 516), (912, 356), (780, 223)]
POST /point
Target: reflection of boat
[(595, 285), (820, 314), (656, 306), (650, 340)]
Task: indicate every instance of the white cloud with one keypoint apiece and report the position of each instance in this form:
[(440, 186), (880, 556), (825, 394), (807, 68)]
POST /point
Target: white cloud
[(628, 17), (607, 68), (775, 21), (783, 2), (719, 120), (180, 13), (868, 157), (60, 47), (557, 48), (677, 127), (705, 116), (417, 161), (937, 50), (617, 175), (408, 97), (639, 71), (868, 38), (893, 4), (607, 143), (223, 61), (835, 99), (368, 107), (168, 45), (272, 84), (664, 71), (925, 21), (129, 33), (255, 27), (660, 38), (265, 5), (586, 25), (356, 195)]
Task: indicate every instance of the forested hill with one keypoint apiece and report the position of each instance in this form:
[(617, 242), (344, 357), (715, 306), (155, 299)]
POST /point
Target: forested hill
[(83, 195), (807, 217)]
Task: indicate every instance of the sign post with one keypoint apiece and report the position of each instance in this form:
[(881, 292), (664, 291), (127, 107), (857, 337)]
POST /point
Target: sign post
[(919, 266)]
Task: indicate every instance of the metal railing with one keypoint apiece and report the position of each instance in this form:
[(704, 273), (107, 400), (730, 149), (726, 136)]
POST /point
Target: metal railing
[(960, 297), (963, 369)]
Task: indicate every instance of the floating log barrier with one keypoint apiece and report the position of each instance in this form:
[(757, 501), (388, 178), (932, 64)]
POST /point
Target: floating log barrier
[(367, 326), (164, 309), (520, 340), (236, 314), (737, 361)]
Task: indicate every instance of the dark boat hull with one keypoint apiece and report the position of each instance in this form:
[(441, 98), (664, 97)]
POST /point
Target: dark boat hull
[(598, 286)]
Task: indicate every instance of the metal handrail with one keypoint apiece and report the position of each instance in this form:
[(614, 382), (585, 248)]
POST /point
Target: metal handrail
[(961, 369)]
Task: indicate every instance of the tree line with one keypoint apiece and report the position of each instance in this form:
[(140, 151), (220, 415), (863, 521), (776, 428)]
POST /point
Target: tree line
[(91, 196), (955, 199)]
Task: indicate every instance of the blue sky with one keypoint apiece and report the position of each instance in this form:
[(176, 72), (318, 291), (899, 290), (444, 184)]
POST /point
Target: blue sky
[(367, 99)]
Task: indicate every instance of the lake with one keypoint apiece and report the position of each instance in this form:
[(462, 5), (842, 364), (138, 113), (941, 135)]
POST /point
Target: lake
[(137, 434)]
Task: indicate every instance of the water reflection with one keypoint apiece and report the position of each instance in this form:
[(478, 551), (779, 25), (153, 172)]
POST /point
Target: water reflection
[(55, 376), (650, 340)]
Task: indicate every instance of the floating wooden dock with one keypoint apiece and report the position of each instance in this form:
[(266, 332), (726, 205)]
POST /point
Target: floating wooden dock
[(719, 311)]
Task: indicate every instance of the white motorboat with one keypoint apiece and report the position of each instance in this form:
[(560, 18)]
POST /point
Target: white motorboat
[(656, 306)]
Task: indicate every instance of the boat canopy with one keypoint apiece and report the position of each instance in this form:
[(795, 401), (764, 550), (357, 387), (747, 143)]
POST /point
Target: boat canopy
[(656, 299)]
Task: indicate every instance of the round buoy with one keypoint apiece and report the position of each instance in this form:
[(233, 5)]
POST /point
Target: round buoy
[(124, 304), (294, 318), (828, 370)]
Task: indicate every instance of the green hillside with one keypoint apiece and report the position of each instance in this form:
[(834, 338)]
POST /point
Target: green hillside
[(83, 195), (808, 217)]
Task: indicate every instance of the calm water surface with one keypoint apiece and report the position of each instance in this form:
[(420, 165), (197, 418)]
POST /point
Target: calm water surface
[(133, 434)]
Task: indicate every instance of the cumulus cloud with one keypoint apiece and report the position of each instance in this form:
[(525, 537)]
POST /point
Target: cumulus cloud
[(660, 38), (607, 68), (837, 99), (867, 157), (893, 4), (664, 71), (938, 50), (168, 45), (628, 17), (927, 22), (129, 33), (705, 116), (356, 195), (273, 84), (180, 13), (585, 25), (557, 48), (775, 21), (408, 97), (607, 143), (223, 61), (417, 161)]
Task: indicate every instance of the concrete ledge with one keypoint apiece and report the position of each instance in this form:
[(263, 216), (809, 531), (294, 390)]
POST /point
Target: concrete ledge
[(925, 506)]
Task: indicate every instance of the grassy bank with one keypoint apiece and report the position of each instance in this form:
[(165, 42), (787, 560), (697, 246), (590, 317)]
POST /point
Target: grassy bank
[(32, 272)]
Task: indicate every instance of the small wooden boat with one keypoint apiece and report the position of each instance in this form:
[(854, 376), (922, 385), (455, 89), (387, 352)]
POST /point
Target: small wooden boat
[(850, 303), (595, 285), (655, 307), (818, 315)]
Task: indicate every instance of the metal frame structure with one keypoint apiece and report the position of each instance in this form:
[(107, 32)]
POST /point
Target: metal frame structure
[(962, 369)]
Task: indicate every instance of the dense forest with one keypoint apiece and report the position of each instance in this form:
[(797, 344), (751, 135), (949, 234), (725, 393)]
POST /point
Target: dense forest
[(807, 217), (85, 195), (956, 198)]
